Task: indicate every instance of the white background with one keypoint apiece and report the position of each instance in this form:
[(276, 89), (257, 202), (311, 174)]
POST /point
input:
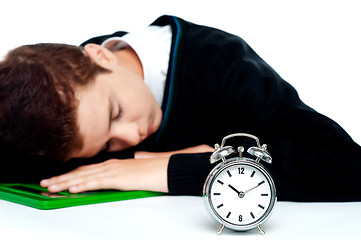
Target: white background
[(313, 44)]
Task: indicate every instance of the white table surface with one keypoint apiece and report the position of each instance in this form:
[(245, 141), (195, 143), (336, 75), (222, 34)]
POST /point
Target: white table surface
[(174, 217)]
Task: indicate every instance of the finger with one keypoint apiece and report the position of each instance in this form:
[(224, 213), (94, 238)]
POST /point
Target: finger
[(76, 173), (66, 184), (94, 184)]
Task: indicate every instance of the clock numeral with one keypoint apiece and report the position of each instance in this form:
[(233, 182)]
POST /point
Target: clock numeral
[(240, 170), (229, 214), (216, 194), (252, 214), (229, 174), (264, 194), (240, 218), (253, 173), (219, 181), (220, 205), (260, 206)]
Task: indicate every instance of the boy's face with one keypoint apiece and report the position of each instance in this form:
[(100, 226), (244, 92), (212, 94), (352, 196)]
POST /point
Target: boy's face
[(115, 112)]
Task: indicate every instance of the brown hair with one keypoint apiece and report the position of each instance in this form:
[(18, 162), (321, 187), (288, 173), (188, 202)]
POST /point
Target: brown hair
[(38, 109)]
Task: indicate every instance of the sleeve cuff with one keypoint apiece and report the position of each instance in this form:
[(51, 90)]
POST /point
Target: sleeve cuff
[(187, 173)]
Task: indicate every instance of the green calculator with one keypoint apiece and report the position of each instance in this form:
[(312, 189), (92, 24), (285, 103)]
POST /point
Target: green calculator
[(33, 195)]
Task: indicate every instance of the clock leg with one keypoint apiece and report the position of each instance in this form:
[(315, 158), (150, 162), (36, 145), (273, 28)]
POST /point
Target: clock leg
[(260, 228), (220, 229)]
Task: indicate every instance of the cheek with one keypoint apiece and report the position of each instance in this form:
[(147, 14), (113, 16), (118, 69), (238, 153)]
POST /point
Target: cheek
[(93, 125), (137, 90), (136, 105), (94, 139)]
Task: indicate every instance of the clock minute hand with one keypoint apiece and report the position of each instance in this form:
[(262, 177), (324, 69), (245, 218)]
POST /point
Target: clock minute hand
[(259, 184)]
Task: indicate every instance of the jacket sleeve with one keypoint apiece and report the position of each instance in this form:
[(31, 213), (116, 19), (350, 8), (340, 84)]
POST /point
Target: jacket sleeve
[(187, 173)]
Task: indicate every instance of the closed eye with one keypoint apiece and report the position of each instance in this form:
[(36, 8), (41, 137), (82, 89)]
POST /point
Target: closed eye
[(107, 145), (119, 114)]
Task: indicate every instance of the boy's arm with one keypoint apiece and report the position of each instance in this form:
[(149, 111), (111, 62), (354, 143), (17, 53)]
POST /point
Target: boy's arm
[(128, 174), (147, 171)]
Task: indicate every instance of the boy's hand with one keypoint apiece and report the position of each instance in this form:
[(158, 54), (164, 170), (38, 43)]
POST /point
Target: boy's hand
[(130, 174), (148, 171)]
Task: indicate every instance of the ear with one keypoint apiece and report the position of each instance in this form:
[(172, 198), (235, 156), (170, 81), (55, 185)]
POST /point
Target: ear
[(100, 55)]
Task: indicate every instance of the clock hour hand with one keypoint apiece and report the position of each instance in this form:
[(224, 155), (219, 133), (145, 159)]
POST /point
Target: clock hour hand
[(239, 193), (234, 189)]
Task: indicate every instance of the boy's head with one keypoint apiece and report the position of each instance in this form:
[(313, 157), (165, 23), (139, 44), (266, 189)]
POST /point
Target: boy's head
[(63, 101), (37, 103)]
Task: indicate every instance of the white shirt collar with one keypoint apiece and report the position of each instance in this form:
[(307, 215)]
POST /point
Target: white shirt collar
[(152, 46)]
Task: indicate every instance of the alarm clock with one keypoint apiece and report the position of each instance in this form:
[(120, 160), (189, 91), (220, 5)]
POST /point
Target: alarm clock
[(239, 193)]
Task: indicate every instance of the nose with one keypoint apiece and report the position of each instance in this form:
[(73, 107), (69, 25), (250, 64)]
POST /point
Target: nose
[(125, 135)]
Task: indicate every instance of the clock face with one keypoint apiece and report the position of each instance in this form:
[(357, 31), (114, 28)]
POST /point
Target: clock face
[(242, 194)]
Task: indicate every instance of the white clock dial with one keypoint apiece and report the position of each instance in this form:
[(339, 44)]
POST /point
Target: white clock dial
[(240, 194)]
